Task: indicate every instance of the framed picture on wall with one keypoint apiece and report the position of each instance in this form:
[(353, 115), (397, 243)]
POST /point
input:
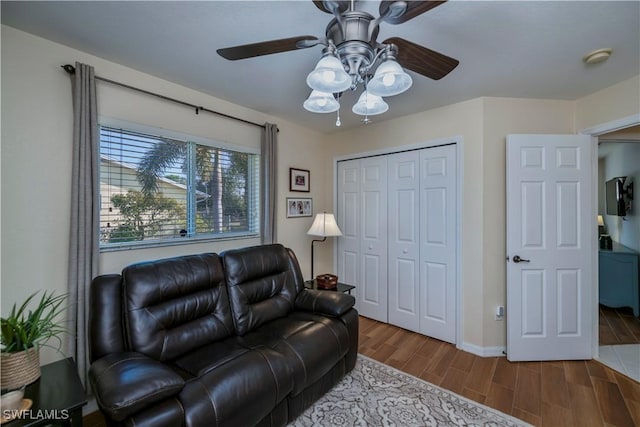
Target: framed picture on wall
[(299, 180), (297, 207)]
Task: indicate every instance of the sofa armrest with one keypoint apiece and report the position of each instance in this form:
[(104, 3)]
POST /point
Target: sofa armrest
[(324, 302), (125, 383)]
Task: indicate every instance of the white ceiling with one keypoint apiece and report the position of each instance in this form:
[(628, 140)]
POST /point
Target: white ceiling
[(530, 49)]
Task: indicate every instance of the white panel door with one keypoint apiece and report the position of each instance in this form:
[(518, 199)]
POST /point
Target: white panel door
[(404, 247), (438, 174), (348, 218), (372, 293), (549, 271)]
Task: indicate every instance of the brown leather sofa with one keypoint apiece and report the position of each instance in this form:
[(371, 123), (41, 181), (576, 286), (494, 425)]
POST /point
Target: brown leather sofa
[(216, 340)]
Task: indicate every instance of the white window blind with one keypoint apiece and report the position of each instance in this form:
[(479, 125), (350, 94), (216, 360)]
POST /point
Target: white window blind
[(155, 189)]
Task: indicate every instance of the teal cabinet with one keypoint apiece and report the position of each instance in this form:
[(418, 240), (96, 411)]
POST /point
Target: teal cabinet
[(618, 277)]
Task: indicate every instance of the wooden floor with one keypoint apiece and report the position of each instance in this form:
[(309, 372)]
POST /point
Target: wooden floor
[(569, 393), (94, 419), (618, 326)]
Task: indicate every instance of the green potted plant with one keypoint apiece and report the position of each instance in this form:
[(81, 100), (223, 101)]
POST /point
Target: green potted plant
[(23, 332)]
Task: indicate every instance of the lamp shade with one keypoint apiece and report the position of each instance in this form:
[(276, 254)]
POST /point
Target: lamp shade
[(324, 225), (389, 79), (329, 76), (321, 102), (370, 105), (600, 221)]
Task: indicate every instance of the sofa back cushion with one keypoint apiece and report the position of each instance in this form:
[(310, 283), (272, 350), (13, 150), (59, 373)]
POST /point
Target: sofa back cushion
[(263, 282), (175, 305)]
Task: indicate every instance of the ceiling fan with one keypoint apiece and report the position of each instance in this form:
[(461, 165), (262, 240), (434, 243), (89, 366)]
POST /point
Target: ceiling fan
[(352, 56)]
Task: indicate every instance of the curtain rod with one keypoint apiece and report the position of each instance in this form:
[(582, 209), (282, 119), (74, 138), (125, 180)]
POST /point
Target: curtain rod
[(71, 70)]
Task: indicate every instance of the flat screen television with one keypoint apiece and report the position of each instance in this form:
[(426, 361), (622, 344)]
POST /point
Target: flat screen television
[(614, 191)]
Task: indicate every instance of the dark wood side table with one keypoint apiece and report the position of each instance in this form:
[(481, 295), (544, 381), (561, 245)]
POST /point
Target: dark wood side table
[(342, 287), (58, 397)]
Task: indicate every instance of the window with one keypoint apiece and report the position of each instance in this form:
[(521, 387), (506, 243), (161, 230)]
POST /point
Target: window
[(155, 189)]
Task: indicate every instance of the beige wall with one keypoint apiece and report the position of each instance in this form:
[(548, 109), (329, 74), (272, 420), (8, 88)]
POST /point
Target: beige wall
[(504, 116), (609, 104), (35, 167), (483, 124), (459, 120), (463, 120), (36, 160)]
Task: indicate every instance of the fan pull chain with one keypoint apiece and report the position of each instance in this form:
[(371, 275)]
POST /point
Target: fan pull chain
[(366, 120)]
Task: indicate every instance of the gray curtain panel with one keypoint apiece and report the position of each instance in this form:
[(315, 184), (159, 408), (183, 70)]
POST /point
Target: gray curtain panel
[(268, 180), (83, 243)]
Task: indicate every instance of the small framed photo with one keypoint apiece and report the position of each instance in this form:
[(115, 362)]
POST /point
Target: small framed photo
[(299, 180), (297, 208)]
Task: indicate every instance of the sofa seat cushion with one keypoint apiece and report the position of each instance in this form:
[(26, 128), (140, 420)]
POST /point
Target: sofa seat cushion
[(239, 392), (167, 413), (125, 383), (312, 344), (202, 360)]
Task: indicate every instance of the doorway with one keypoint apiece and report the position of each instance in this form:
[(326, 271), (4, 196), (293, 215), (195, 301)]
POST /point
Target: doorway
[(618, 326)]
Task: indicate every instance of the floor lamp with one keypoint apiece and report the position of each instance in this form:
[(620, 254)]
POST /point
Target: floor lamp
[(324, 225)]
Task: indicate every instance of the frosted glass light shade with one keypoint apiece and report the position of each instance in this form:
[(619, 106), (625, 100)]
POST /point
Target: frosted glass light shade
[(324, 225), (389, 79), (321, 102), (370, 105), (600, 221), (329, 76)]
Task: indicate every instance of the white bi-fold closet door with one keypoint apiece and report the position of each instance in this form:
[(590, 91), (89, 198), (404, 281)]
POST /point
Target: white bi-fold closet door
[(397, 212)]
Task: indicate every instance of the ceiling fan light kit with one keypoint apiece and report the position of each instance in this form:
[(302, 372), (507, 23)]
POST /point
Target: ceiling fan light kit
[(390, 79), (352, 56), (370, 105), (321, 102), (329, 75)]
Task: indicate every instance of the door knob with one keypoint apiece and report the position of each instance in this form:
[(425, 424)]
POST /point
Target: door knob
[(517, 259)]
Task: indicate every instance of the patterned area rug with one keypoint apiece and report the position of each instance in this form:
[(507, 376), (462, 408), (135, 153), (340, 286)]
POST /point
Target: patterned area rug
[(374, 394)]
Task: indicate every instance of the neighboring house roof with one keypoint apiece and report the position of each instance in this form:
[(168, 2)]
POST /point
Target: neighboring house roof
[(105, 158)]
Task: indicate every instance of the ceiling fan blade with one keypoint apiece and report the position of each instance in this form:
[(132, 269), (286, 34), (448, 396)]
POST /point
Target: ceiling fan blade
[(413, 9), (266, 48), (423, 61), (329, 6)]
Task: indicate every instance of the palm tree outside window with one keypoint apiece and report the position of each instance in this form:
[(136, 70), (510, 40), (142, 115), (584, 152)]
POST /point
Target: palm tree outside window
[(155, 189)]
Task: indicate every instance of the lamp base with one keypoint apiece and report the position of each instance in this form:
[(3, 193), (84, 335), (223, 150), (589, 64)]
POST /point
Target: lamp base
[(327, 281)]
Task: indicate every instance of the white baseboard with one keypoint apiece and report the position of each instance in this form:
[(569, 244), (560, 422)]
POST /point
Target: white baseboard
[(483, 351), (90, 407)]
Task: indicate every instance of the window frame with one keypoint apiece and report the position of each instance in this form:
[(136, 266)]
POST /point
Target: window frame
[(253, 231)]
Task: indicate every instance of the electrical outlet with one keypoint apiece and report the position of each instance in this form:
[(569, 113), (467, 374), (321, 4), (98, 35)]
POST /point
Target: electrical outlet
[(499, 312)]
